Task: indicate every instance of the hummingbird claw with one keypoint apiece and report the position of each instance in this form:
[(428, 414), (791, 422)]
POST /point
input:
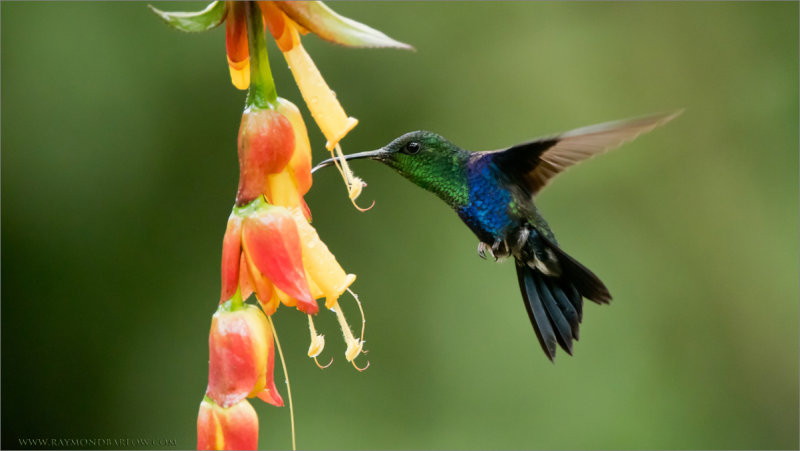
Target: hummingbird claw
[(483, 249), (500, 250)]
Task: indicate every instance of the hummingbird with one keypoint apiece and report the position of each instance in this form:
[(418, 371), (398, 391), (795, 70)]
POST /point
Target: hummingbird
[(493, 193)]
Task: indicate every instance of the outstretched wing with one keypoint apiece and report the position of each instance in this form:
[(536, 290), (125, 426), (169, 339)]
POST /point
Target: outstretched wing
[(534, 163)]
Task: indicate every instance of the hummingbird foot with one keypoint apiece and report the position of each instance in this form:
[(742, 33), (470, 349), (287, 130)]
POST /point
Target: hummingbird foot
[(483, 250), (500, 250)]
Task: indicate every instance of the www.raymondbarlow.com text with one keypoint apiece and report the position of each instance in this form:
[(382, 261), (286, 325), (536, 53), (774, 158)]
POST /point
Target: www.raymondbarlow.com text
[(107, 443)]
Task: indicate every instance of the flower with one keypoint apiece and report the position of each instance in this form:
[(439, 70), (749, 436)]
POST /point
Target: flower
[(236, 44), (266, 144), (241, 356), (261, 240), (234, 427), (286, 21)]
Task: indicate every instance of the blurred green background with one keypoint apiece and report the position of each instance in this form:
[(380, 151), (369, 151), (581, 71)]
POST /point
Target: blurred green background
[(119, 169)]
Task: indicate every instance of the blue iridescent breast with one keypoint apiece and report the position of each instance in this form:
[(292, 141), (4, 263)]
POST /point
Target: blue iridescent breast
[(487, 212)]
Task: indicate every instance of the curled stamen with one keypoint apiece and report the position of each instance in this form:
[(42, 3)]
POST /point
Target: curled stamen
[(354, 184), (322, 367), (360, 369)]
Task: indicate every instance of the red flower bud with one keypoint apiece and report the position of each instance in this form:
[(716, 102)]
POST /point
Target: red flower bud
[(266, 144), (234, 427), (240, 355)]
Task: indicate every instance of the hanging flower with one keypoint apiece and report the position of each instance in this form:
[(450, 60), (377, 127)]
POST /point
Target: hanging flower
[(270, 248), (264, 237), (241, 356), (234, 427)]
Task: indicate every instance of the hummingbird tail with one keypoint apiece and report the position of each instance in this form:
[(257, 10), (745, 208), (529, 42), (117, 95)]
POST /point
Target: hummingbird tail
[(584, 280), (554, 301)]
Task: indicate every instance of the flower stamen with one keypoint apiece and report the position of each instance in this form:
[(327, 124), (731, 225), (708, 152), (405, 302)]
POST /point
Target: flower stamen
[(322, 367), (354, 345), (360, 309), (317, 340), (317, 344), (354, 184)]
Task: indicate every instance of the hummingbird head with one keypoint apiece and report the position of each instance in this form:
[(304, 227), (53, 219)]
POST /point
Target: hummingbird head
[(423, 157), (426, 159)]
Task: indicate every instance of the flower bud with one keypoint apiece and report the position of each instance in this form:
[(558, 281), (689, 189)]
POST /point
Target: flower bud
[(241, 355), (266, 144), (234, 427)]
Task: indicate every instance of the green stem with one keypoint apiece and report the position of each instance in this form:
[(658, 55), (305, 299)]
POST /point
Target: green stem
[(236, 301), (262, 92)]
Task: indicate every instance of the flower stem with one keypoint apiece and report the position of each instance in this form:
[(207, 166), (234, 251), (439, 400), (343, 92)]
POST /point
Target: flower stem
[(262, 92), (236, 301), (286, 375)]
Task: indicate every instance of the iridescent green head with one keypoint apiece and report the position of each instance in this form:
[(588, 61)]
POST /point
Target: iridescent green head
[(426, 159)]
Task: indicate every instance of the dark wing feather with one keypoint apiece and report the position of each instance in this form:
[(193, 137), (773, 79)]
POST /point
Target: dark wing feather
[(534, 163)]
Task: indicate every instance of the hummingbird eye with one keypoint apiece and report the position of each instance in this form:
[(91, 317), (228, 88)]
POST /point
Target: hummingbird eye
[(412, 147)]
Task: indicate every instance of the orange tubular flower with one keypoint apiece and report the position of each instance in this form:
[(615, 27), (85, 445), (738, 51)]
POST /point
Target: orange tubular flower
[(236, 44), (241, 356), (234, 427)]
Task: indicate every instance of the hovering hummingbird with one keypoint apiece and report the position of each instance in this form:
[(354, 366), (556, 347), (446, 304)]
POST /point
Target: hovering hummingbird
[(493, 191)]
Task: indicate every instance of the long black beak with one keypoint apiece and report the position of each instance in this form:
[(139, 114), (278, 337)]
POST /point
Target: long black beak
[(379, 155)]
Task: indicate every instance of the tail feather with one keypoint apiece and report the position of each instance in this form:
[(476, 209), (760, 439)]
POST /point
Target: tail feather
[(536, 311), (554, 301), (554, 312), (575, 299), (584, 280), (566, 307)]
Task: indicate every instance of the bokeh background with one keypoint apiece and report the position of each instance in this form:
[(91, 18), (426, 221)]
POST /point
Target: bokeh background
[(119, 169)]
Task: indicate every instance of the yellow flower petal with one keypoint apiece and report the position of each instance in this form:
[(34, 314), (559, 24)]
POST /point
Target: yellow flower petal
[(320, 264), (282, 190), (325, 108), (240, 73)]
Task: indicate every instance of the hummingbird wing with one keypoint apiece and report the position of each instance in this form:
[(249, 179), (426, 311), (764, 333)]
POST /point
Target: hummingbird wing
[(534, 163)]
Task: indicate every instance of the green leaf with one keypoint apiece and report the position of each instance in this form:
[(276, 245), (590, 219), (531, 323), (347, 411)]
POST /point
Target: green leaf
[(204, 20), (327, 24)]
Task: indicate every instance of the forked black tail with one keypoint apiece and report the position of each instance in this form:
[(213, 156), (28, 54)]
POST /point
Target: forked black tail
[(555, 302)]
